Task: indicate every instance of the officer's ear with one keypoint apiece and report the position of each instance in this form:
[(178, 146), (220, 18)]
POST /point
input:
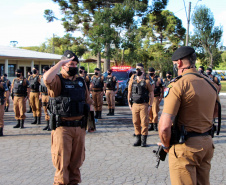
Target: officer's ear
[(180, 63)]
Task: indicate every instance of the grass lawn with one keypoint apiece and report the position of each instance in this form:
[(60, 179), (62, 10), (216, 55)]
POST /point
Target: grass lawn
[(223, 84)]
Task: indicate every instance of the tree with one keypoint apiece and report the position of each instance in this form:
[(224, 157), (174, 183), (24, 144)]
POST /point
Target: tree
[(207, 37), (100, 21)]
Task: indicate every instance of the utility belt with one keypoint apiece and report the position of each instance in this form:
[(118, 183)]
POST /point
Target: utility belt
[(196, 134), (20, 95), (97, 89), (110, 89), (79, 123), (34, 91), (45, 94)]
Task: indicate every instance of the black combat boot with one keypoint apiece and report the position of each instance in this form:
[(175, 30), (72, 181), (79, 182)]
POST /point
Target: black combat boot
[(143, 140), (109, 113), (1, 131), (47, 125), (138, 141), (30, 111), (39, 120), (151, 127), (112, 112), (6, 109), (22, 123), (156, 126), (18, 124), (99, 115), (35, 120), (96, 114)]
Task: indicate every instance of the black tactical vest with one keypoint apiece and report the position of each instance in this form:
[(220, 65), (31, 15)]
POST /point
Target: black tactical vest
[(71, 101), (157, 90), (98, 83), (110, 83), (2, 91), (42, 87), (34, 84), (19, 88), (140, 93)]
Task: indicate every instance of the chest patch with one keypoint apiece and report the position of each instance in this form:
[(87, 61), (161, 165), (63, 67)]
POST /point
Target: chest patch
[(80, 84), (69, 86)]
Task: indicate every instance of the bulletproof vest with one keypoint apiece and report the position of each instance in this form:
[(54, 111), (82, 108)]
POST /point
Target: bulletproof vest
[(110, 83), (139, 91), (87, 82), (98, 83), (157, 90), (71, 101), (42, 87), (19, 88), (34, 84)]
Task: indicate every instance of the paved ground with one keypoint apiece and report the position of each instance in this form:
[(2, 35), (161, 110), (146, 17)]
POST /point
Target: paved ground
[(110, 157)]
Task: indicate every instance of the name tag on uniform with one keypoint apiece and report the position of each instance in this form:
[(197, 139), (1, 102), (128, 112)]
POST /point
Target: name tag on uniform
[(69, 86)]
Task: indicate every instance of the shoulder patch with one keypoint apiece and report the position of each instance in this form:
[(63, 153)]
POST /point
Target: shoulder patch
[(166, 91)]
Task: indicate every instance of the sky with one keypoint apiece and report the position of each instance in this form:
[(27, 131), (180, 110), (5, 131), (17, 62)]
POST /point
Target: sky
[(23, 20)]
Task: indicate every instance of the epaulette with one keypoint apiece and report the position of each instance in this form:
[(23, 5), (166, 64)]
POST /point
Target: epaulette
[(175, 79)]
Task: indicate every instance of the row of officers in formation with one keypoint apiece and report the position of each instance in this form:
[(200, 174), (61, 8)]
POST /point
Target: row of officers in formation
[(67, 96)]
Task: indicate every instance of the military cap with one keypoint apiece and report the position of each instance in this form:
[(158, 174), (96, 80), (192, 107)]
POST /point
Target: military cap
[(18, 71), (209, 69), (46, 68), (70, 54), (151, 69), (140, 64), (97, 69), (82, 68), (182, 52)]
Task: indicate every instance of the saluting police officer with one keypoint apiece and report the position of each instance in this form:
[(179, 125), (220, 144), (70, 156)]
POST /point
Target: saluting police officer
[(8, 83), (20, 91), (45, 99), (158, 95), (139, 93), (69, 93), (191, 99), (167, 79), (213, 77), (97, 89), (35, 103), (111, 82), (3, 91)]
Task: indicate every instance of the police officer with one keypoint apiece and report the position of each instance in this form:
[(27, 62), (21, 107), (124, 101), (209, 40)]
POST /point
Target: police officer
[(3, 91), (111, 82), (29, 73), (139, 93), (45, 99), (8, 83), (213, 78), (167, 79), (84, 76), (68, 139), (201, 70), (20, 91), (35, 103), (191, 99), (158, 95), (97, 89)]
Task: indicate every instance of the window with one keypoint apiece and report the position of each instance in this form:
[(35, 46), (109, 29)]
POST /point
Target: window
[(2, 69), (11, 70)]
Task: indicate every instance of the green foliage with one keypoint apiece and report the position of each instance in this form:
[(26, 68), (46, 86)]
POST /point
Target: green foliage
[(207, 37)]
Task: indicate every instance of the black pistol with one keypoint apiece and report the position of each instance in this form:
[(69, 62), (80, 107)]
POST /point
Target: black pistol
[(160, 154)]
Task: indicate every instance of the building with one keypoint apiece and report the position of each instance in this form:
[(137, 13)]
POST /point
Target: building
[(12, 58)]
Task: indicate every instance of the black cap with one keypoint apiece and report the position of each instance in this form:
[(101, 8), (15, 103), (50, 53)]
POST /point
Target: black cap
[(201, 67), (70, 54), (82, 68), (140, 64), (97, 69), (18, 71), (182, 52), (151, 69), (209, 69), (46, 68), (5, 75), (169, 73), (85, 71)]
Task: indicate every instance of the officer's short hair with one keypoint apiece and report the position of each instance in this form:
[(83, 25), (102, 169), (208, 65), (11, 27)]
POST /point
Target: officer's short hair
[(18, 71), (192, 58), (201, 67), (97, 69), (82, 68), (46, 68), (140, 65), (151, 69), (169, 73), (5, 75)]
